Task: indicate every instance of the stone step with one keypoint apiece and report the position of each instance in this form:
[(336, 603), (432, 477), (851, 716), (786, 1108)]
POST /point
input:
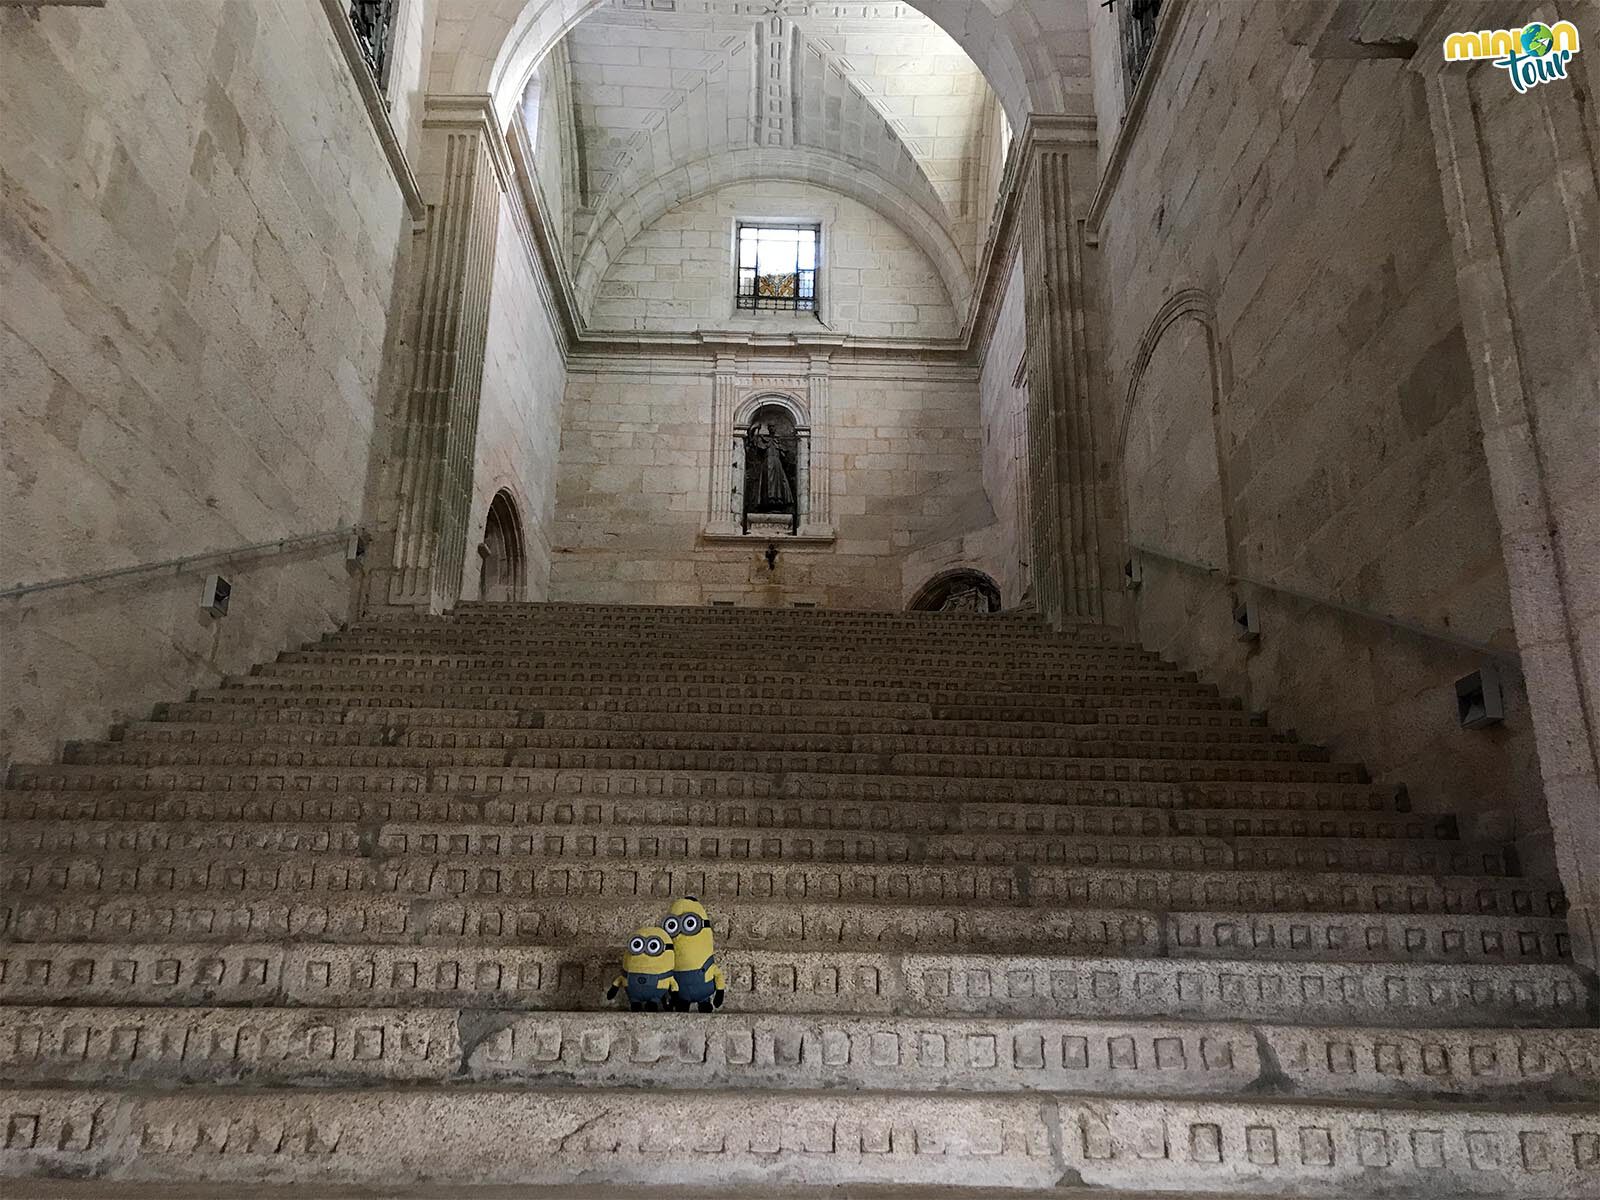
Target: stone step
[(755, 701), (572, 615), (1076, 743), (882, 853), (749, 1139), (254, 915), (813, 622), (85, 812), (440, 878), (1186, 763), (800, 980), (844, 733), (640, 669), (758, 794), (716, 645), (325, 1047), (472, 651), (41, 828), (669, 715)]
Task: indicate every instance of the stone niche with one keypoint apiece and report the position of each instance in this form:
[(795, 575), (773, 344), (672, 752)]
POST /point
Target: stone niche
[(769, 461)]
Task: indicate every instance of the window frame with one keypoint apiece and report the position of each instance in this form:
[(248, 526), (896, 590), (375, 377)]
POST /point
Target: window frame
[(817, 227)]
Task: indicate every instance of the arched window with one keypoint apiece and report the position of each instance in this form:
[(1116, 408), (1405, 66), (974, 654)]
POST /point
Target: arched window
[(503, 567)]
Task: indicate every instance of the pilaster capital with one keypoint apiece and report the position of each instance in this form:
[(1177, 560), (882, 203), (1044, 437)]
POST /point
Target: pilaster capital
[(471, 113)]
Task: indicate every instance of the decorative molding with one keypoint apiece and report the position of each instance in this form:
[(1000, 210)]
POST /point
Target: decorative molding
[(471, 114), (377, 112), (1003, 244), (440, 426)]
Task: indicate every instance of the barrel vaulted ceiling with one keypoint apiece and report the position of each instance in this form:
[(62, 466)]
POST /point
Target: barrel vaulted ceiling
[(648, 103)]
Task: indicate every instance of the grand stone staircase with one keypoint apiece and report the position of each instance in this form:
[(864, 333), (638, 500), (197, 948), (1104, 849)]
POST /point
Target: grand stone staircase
[(999, 908)]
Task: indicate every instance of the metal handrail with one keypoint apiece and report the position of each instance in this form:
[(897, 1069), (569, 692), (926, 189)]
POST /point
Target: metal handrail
[(276, 547), (1495, 653)]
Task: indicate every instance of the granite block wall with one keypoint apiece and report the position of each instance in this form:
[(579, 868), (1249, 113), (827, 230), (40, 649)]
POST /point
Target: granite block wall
[(632, 488), (678, 274), (1326, 440), (519, 415), (199, 241)]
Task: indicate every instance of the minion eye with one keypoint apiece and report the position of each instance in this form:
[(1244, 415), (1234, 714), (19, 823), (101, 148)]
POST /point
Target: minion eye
[(671, 925), (637, 945), (691, 924), (655, 946)]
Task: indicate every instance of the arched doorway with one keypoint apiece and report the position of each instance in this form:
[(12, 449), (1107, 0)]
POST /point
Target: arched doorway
[(502, 567), (961, 590)]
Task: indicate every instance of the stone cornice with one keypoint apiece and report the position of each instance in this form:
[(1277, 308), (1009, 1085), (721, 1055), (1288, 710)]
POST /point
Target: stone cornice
[(377, 111), (1000, 251), (471, 114)]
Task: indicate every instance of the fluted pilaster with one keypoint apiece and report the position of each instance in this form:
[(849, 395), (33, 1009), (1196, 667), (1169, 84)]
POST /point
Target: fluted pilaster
[(439, 438), (1061, 447)]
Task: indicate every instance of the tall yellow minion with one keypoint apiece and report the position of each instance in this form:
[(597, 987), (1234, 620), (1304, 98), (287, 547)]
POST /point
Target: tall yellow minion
[(647, 965), (699, 977)]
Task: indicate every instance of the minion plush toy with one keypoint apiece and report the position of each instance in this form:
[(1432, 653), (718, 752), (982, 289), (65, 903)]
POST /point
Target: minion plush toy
[(699, 978), (647, 966)]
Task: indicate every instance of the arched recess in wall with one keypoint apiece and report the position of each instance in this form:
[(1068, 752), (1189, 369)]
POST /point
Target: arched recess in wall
[(1169, 442), (770, 436), (958, 590), (502, 554)]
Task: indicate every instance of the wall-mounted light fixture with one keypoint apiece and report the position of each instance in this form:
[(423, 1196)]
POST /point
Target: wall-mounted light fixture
[(1246, 621), (214, 596), (355, 550), (1480, 702), (1133, 574)]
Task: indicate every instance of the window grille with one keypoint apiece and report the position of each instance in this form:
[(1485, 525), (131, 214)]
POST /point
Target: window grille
[(1138, 23), (778, 267), (373, 21)]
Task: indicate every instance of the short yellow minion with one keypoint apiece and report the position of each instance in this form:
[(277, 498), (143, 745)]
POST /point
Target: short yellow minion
[(647, 966), (699, 978)]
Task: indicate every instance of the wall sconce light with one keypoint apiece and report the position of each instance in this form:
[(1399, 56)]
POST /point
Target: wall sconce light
[(214, 596), (355, 550), (1480, 702), (1133, 574), (771, 556), (1246, 621)]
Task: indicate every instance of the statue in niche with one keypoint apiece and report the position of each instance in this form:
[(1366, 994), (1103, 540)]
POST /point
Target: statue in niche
[(771, 462)]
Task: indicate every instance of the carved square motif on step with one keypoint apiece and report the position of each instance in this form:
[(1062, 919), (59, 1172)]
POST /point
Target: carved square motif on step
[(1316, 1146), (1205, 1143), (1095, 1137), (1483, 1150)]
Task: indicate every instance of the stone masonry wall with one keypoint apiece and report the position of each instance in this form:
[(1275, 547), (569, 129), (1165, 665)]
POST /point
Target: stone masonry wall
[(519, 416), (678, 274), (1339, 454), (199, 240), (632, 490), (1005, 448)]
